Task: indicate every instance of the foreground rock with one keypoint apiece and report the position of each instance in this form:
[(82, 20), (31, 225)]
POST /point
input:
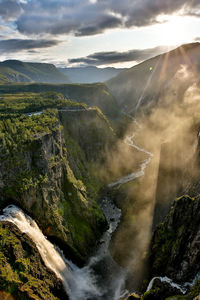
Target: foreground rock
[(23, 274), (175, 248)]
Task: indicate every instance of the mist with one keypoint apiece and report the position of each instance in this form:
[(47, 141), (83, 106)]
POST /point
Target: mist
[(168, 131)]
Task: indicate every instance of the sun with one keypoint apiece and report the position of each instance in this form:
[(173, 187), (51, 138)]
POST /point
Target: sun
[(173, 30)]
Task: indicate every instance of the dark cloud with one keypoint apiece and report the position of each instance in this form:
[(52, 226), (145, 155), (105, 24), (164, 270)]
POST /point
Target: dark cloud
[(103, 58), (197, 39), (108, 22), (10, 9), (15, 45), (82, 17)]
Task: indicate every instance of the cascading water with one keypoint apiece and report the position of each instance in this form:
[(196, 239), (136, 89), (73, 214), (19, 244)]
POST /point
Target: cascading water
[(182, 289), (52, 257), (89, 282)]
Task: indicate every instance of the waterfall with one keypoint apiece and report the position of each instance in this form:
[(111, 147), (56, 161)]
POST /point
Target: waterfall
[(79, 283)]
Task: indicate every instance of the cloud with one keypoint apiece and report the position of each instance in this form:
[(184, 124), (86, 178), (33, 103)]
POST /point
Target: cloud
[(103, 58), (197, 39), (10, 9), (15, 45), (86, 17)]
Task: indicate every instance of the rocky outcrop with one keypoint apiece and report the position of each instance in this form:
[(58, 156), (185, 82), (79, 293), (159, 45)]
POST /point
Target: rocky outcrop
[(50, 178), (174, 248), (23, 274)]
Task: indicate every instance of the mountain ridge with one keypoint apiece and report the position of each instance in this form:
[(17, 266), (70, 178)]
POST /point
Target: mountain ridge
[(151, 78), (90, 74)]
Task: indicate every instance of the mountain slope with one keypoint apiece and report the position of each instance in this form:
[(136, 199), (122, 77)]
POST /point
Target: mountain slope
[(8, 75), (37, 72), (169, 73), (90, 74)]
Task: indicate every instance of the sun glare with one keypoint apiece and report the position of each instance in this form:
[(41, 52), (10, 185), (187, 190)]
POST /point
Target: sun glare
[(174, 30)]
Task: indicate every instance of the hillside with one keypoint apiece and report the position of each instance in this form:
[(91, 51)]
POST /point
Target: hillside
[(18, 71), (154, 80), (90, 74), (8, 75)]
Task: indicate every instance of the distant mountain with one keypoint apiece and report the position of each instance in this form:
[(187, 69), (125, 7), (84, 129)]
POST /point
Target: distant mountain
[(90, 74), (8, 75), (164, 78), (18, 71)]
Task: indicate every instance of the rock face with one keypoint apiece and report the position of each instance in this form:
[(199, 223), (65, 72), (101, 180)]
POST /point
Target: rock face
[(178, 173), (175, 245), (52, 180), (91, 130), (23, 273)]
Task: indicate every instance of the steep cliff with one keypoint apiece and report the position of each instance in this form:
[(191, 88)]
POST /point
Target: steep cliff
[(175, 244), (178, 172), (91, 131), (47, 173)]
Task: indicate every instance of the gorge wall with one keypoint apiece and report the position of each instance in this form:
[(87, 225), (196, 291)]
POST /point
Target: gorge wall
[(51, 178)]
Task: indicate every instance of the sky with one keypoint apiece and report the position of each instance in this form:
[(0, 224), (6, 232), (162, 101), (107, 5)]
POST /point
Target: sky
[(117, 33)]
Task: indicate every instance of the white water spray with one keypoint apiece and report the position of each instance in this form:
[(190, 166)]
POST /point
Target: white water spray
[(182, 289)]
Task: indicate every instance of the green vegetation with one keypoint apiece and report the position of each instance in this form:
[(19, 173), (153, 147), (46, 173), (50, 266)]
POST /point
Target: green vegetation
[(48, 175), (91, 94), (17, 137), (11, 105), (85, 214)]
